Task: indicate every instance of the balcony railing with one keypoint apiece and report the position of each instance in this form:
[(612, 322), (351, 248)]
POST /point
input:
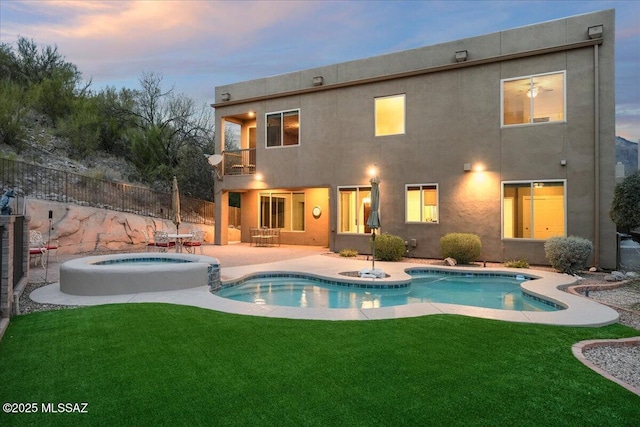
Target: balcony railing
[(240, 162)]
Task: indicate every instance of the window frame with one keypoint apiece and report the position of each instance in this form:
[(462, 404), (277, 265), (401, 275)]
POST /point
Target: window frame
[(532, 119), (404, 114), (358, 225), (286, 196), (281, 138), (531, 186), (423, 187)]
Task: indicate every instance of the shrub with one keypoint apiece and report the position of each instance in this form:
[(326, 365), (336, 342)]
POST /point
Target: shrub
[(521, 263), (348, 253), (568, 254), (625, 208), (463, 247), (389, 247)]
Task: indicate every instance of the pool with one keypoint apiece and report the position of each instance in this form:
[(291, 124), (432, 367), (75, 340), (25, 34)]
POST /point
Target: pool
[(497, 291), (134, 273)]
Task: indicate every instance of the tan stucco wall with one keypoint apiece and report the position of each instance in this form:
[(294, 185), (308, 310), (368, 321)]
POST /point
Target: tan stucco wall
[(316, 231), (453, 118)]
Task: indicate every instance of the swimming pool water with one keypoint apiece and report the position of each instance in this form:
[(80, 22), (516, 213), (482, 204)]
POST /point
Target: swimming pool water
[(500, 292)]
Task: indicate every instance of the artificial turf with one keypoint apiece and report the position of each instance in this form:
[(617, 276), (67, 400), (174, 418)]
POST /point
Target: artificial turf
[(163, 364)]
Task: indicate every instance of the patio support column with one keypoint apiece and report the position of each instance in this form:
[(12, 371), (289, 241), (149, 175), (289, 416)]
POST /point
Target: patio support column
[(221, 231)]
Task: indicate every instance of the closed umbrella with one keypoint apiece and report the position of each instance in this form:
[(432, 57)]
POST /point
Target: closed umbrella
[(374, 217), (175, 205)]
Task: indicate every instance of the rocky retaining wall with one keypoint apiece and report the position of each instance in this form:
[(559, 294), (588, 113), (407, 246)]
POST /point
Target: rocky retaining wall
[(80, 229)]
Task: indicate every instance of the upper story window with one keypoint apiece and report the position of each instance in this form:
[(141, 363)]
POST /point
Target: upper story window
[(534, 99), (390, 113), (283, 128), (422, 203), (533, 209)]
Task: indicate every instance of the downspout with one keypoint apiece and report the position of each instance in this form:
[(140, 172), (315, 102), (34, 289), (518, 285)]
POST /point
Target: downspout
[(596, 139)]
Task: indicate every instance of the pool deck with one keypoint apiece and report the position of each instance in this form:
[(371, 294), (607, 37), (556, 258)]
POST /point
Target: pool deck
[(240, 260)]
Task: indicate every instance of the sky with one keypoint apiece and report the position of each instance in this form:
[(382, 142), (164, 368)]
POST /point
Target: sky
[(196, 45)]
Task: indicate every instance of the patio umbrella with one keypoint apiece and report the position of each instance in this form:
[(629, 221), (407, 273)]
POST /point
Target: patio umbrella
[(175, 204), (374, 216)]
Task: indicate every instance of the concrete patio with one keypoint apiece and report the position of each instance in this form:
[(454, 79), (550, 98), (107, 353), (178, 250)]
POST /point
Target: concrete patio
[(240, 260)]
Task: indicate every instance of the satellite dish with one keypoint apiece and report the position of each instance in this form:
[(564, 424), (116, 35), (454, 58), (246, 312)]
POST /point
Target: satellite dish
[(214, 159)]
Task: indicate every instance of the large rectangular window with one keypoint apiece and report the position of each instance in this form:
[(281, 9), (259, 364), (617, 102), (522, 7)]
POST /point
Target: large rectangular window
[(354, 208), (534, 99), (533, 210), (282, 210), (283, 128), (390, 112), (422, 203)]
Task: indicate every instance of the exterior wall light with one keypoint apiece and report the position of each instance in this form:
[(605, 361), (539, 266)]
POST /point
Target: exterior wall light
[(226, 96), (595, 32), (478, 167), (318, 81), (461, 55)]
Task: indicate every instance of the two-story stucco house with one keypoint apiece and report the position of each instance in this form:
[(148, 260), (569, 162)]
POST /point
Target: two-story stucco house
[(508, 135)]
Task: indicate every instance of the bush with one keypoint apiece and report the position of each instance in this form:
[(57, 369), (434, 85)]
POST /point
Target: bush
[(568, 254), (389, 247), (348, 253), (13, 109), (463, 247), (521, 263), (625, 208)]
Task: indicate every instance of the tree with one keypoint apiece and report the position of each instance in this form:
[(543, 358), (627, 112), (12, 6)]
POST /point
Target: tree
[(167, 123), (13, 109), (625, 208)]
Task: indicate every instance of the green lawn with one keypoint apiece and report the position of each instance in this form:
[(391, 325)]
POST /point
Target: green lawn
[(162, 364)]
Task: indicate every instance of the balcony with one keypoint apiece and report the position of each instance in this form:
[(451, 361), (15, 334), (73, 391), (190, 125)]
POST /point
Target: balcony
[(240, 162)]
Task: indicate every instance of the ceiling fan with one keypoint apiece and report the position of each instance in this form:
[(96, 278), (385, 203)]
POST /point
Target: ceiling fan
[(535, 89)]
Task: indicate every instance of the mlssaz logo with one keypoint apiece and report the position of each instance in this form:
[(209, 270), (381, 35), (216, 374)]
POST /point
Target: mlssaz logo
[(53, 408)]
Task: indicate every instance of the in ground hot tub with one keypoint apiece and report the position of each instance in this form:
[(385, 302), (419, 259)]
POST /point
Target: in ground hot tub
[(135, 273)]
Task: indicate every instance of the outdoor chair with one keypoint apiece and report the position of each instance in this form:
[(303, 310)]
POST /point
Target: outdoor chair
[(37, 249), (52, 246), (162, 241), (196, 240), (149, 244)]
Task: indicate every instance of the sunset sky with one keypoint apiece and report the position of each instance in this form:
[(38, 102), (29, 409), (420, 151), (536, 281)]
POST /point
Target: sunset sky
[(197, 45)]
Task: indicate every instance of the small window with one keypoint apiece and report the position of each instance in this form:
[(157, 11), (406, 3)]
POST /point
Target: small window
[(534, 99), (533, 209), (283, 128), (422, 203), (390, 112), (354, 208)]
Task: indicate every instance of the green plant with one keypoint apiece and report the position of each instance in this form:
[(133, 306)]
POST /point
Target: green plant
[(568, 254), (625, 208), (520, 263), (348, 253), (12, 111), (389, 247), (463, 247)]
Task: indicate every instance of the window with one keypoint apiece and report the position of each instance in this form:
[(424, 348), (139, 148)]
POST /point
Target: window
[(389, 111), (282, 210), (533, 210), (354, 208), (283, 128), (422, 203), (534, 99)]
